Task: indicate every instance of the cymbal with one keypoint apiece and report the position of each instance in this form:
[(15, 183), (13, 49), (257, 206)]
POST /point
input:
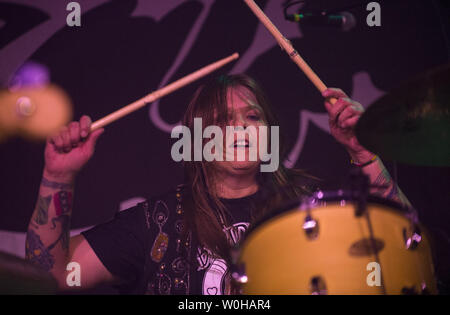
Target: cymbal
[(18, 276), (34, 112), (411, 124)]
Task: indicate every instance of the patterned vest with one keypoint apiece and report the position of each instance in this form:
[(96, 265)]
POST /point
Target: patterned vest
[(168, 261)]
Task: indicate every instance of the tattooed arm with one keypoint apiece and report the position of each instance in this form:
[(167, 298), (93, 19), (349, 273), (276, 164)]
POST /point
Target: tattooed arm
[(384, 185), (48, 243), (344, 114)]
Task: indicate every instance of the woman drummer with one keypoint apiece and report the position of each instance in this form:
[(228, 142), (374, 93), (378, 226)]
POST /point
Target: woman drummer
[(179, 242)]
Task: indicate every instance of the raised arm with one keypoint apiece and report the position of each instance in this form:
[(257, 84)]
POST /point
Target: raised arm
[(48, 243), (343, 116)]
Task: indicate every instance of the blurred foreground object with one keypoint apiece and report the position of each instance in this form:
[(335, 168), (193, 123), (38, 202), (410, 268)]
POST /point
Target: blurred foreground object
[(18, 276), (32, 107), (411, 124)]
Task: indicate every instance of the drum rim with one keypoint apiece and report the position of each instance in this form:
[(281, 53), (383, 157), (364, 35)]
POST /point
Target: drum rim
[(328, 196)]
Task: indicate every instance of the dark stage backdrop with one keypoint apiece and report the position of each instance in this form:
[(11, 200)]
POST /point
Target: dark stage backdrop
[(126, 48)]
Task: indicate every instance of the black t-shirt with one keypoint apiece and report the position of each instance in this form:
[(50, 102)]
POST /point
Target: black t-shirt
[(123, 243)]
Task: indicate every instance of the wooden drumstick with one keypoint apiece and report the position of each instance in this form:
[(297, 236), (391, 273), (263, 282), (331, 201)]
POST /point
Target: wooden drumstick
[(162, 92), (286, 45)]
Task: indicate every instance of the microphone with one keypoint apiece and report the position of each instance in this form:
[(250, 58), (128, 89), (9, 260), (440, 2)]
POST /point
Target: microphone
[(344, 20)]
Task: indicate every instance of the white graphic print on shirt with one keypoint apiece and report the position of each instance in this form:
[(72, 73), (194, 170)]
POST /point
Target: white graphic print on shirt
[(214, 277)]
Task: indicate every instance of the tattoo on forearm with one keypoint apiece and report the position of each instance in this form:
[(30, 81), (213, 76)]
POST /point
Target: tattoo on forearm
[(35, 250), (55, 185), (43, 204), (64, 236), (37, 253), (393, 194), (63, 205), (382, 179), (63, 202)]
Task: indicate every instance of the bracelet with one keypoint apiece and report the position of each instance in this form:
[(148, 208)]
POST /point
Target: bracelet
[(47, 183), (364, 164)]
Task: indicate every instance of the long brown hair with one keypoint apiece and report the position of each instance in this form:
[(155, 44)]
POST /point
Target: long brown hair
[(202, 205)]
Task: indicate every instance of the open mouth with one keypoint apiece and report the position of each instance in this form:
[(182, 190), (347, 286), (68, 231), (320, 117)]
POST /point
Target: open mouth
[(241, 144)]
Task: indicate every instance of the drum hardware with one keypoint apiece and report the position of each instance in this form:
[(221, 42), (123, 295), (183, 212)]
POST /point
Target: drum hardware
[(34, 112), (238, 273), (31, 106), (409, 291), (237, 269), (360, 186), (360, 189), (366, 247), (25, 107), (311, 227), (412, 238), (425, 289), (374, 248), (412, 290), (318, 286)]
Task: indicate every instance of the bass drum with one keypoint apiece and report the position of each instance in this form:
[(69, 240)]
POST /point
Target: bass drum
[(323, 246)]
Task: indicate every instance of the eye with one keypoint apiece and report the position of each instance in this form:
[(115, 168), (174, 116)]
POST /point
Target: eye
[(253, 116)]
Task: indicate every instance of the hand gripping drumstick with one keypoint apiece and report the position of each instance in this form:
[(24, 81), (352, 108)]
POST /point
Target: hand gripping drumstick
[(286, 45), (162, 92)]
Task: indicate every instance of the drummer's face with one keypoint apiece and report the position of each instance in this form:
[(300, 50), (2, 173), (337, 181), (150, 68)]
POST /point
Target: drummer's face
[(243, 111)]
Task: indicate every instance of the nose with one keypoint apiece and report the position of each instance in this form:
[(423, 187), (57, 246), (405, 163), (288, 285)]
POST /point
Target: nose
[(240, 121)]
